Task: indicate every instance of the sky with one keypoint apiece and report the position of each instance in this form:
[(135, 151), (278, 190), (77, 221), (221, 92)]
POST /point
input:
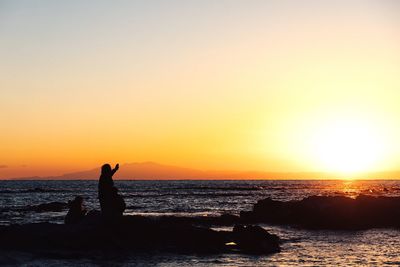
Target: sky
[(215, 85)]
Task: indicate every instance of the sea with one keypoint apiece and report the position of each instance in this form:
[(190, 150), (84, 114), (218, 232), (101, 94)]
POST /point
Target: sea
[(374, 247)]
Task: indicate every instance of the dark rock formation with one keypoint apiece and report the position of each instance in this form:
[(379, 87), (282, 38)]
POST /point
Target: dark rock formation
[(324, 212), (46, 207), (130, 234), (255, 240)]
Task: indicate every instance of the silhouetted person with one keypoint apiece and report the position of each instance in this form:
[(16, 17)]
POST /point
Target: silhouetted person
[(106, 185), (76, 211)]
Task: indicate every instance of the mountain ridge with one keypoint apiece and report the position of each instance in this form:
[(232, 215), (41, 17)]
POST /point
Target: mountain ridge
[(155, 171)]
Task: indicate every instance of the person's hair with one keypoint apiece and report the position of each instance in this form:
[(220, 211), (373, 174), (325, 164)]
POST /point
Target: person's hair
[(106, 169)]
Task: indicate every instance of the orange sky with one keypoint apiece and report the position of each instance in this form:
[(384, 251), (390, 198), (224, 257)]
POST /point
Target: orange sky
[(243, 85)]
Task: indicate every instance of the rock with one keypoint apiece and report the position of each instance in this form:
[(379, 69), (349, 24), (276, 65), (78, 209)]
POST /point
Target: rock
[(129, 234), (46, 207), (328, 212), (226, 219), (255, 240)]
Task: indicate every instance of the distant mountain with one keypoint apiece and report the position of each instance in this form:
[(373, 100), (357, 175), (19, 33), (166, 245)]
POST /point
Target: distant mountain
[(28, 178), (155, 171), (144, 170)]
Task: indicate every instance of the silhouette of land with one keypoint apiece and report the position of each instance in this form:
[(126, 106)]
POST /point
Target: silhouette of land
[(156, 171)]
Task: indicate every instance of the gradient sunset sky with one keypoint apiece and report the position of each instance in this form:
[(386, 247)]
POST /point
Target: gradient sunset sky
[(241, 85)]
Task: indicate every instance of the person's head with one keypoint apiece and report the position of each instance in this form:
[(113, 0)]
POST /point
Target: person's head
[(106, 169), (77, 202), (78, 199)]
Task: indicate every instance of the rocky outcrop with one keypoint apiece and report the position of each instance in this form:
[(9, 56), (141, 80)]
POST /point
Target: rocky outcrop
[(255, 240), (46, 207), (40, 208), (134, 233), (324, 212)]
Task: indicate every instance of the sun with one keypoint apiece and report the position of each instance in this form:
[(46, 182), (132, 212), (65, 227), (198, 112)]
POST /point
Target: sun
[(348, 146)]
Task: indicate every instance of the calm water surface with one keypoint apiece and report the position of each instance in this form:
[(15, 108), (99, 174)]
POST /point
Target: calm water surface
[(194, 198)]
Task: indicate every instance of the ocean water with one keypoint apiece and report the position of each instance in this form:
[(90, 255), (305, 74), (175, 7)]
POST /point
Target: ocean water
[(205, 198)]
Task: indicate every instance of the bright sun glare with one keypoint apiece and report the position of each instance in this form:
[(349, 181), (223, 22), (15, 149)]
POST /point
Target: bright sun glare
[(348, 147)]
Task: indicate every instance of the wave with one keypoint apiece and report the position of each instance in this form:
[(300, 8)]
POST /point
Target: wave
[(205, 195), (225, 188), (175, 214)]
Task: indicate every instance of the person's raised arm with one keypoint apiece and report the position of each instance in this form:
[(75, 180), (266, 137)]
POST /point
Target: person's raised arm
[(115, 169)]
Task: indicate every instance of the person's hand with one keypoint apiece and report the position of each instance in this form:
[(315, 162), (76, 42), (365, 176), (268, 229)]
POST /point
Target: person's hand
[(116, 167)]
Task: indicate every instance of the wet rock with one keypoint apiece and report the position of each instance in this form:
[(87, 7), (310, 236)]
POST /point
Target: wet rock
[(255, 240), (128, 234), (46, 207), (328, 212)]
